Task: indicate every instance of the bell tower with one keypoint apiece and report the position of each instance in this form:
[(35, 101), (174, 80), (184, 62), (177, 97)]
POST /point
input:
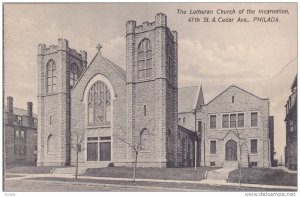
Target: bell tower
[(152, 91), (59, 68)]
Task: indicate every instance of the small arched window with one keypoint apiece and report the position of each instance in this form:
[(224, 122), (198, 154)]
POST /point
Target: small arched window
[(50, 144), (170, 60), (51, 77), (74, 74), (99, 105), (144, 64), (145, 141)]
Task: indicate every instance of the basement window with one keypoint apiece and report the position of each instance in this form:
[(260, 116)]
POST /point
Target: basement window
[(253, 164)]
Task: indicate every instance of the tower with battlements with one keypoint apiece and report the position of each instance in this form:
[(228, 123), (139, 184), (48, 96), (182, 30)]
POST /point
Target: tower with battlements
[(152, 92), (59, 67)]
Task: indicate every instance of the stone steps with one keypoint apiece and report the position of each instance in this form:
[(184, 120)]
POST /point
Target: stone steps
[(222, 173), (217, 175), (231, 164)]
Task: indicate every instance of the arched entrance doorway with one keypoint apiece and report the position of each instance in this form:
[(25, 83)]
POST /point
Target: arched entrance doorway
[(231, 150)]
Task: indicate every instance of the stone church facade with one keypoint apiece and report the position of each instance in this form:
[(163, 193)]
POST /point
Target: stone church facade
[(105, 101), (112, 106)]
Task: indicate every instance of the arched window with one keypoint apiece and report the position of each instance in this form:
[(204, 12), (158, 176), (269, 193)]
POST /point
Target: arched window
[(51, 77), (145, 141), (144, 66), (170, 61), (74, 74), (99, 105), (50, 144)]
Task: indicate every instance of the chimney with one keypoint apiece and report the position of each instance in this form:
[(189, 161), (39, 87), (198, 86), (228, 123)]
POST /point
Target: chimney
[(10, 104), (29, 109)]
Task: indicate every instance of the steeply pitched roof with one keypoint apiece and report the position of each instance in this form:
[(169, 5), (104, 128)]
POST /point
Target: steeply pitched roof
[(190, 98), (19, 112), (120, 70), (183, 129), (117, 68)]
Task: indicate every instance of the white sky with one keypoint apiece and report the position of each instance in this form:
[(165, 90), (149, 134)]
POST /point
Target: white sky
[(216, 55)]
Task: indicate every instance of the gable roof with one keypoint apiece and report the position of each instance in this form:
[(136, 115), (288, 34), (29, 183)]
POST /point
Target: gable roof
[(19, 112), (190, 98), (120, 70), (183, 129), (117, 68), (232, 86)]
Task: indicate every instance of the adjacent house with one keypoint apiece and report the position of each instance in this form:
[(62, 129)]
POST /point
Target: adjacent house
[(291, 128), (20, 129)]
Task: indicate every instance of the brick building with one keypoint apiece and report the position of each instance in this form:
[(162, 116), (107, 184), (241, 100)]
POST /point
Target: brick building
[(291, 128), (104, 100), (20, 134)]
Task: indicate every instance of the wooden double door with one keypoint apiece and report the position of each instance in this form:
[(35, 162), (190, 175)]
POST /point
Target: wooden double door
[(231, 150)]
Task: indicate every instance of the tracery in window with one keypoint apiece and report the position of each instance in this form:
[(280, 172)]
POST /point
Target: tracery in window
[(170, 62), (74, 74), (99, 105), (144, 63), (51, 77)]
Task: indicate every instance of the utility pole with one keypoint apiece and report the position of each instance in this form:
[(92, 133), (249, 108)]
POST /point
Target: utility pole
[(204, 144), (196, 136)]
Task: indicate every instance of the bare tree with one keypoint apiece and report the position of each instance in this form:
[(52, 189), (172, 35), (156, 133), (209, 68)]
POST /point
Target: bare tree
[(76, 139), (242, 148), (136, 143)]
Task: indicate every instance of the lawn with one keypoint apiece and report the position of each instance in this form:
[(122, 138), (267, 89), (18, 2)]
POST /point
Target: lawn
[(30, 169), (151, 173), (199, 187), (264, 176)]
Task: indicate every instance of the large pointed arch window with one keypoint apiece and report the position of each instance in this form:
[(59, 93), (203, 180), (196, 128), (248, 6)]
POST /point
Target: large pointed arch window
[(144, 64), (74, 74), (51, 77), (99, 105)]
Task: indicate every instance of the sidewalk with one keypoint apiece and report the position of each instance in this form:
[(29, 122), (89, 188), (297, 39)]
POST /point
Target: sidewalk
[(285, 169), (211, 182)]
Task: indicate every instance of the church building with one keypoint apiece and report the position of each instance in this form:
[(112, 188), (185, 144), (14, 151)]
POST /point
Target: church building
[(115, 110), (109, 104)]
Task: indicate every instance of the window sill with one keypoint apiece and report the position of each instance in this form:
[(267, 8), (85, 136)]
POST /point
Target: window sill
[(50, 153), (52, 94), (145, 79), (96, 161), (95, 127), (144, 151), (253, 154), (233, 128)]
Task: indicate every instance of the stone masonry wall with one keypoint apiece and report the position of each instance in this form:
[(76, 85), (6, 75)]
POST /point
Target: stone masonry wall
[(246, 103)]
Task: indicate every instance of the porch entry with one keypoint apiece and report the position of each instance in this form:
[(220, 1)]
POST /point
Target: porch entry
[(231, 150)]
